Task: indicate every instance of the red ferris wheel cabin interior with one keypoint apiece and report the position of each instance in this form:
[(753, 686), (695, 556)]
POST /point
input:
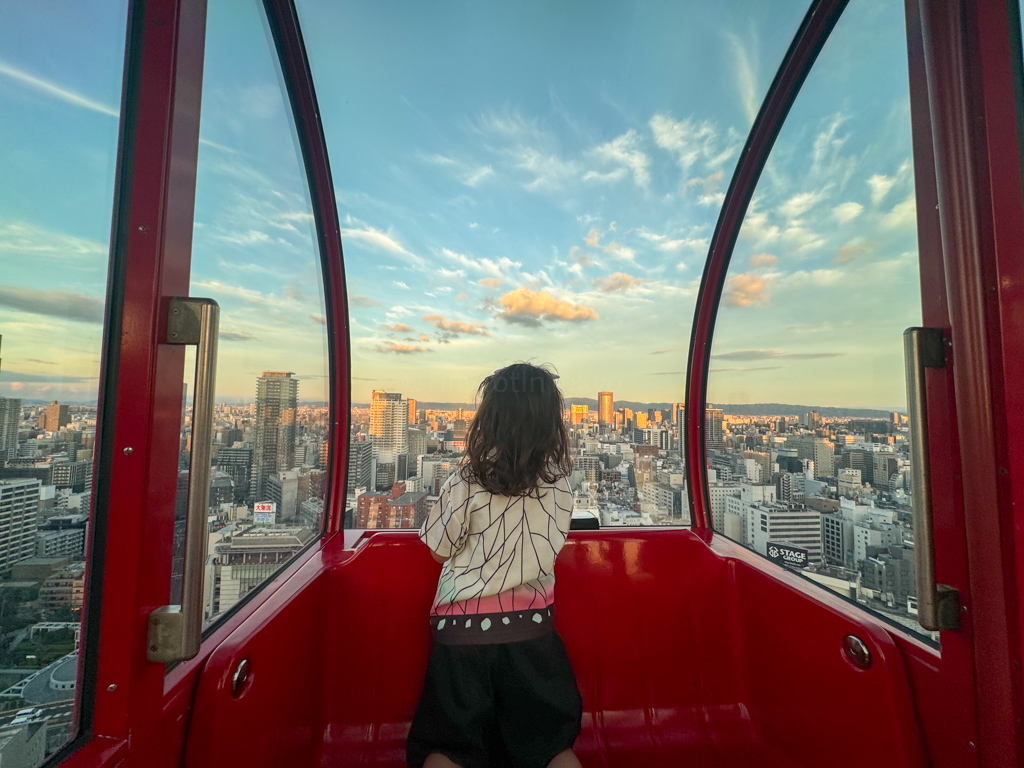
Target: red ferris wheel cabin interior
[(205, 579)]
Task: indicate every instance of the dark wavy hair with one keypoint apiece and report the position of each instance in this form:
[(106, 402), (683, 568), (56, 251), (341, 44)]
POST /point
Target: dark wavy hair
[(518, 439)]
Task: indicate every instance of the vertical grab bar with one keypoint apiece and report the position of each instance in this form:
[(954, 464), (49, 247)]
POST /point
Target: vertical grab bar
[(176, 631), (938, 605)]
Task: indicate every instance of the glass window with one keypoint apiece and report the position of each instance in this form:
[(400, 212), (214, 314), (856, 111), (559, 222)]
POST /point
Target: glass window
[(530, 182), (807, 372), (255, 252), (60, 94)]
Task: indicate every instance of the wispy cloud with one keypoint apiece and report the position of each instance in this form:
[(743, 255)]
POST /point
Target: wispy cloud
[(742, 355), (500, 268), (625, 154), (68, 306), (391, 347), (52, 89), (356, 300), (745, 59), (619, 281), (455, 327), (398, 328), (18, 237), (666, 243), (763, 260), (745, 289), (378, 240), (477, 175), (235, 335), (845, 212), (620, 251), (691, 142)]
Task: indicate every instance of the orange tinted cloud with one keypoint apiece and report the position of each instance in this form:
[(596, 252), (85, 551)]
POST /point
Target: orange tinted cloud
[(620, 281), (398, 328), (744, 290), (490, 282), (763, 260), (455, 326), (530, 307), (399, 349)]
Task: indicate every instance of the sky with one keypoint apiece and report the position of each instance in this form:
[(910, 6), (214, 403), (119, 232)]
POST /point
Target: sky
[(527, 181)]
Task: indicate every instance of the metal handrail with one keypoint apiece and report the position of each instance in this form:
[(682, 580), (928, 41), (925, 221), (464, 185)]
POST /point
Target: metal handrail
[(938, 605), (176, 631)]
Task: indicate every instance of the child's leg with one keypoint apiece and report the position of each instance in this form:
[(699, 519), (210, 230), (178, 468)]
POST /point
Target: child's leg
[(437, 760), (565, 759)]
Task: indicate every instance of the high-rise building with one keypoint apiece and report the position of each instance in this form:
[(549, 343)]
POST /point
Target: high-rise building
[(813, 419), (678, 413), (417, 445), (641, 420), (54, 417), (19, 507), (713, 434), (412, 411), (275, 431), (389, 422), (580, 414), (605, 408), (360, 465), (10, 419), (237, 462)]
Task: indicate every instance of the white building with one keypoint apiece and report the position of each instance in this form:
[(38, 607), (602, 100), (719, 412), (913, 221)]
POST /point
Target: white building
[(784, 524), (19, 508)]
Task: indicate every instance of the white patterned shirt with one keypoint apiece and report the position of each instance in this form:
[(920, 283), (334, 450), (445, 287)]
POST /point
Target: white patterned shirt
[(501, 549)]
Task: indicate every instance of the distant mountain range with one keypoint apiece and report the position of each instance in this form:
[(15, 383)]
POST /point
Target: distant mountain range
[(751, 409), (733, 409)]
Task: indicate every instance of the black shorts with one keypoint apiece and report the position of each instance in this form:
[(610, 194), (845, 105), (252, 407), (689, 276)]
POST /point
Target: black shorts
[(507, 704)]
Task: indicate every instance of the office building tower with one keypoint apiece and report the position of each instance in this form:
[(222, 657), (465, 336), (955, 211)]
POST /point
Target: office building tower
[(360, 465), (236, 462), (784, 523), (713, 432), (417, 446), (822, 452), (412, 411), (19, 508), (580, 414), (389, 422), (10, 420), (605, 408), (641, 420), (275, 431), (55, 417), (678, 413)]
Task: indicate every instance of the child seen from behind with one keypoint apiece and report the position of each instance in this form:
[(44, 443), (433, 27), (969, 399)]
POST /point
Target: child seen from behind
[(499, 689)]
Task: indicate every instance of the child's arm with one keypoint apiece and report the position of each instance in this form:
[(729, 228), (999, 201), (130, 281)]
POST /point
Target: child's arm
[(447, 523)]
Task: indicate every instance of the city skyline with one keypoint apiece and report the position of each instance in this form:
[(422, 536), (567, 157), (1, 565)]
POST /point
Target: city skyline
[(557, 212)]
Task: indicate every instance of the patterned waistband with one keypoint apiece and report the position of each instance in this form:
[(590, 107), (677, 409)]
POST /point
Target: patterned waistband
[(491, 628)]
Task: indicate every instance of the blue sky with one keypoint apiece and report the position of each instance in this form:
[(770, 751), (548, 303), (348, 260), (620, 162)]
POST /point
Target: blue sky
[(515, 181)]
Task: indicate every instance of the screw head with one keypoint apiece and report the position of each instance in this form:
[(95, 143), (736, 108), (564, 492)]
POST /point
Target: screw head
[(856, 652), (128, 451), (143, 228), (112, 687)]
